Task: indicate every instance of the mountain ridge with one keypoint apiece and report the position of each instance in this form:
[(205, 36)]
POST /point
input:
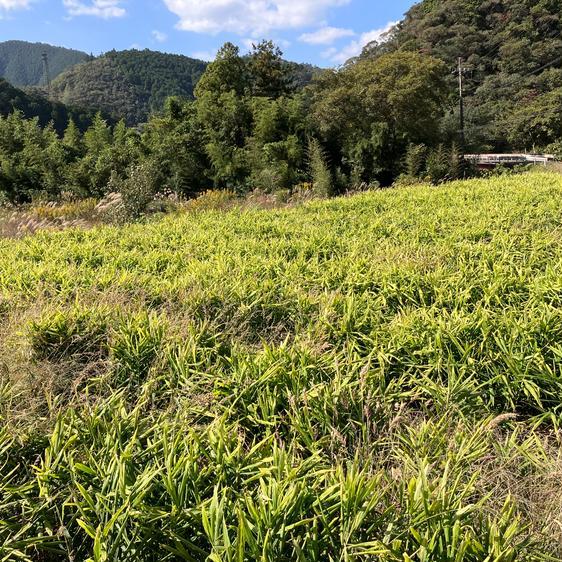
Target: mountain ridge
[(128, 84), (21, 62)]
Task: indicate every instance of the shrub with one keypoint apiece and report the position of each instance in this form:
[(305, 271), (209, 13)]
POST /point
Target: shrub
[(439, 164), (415, 160), (65, 211), (269, 179), (212, 200), (137, 190)]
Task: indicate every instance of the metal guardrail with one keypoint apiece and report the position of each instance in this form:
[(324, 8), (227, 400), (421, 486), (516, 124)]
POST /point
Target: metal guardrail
[(498, 159)]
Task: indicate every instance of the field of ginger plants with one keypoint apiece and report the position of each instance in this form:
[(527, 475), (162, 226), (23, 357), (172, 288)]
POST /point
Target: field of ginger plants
[(370, 378)]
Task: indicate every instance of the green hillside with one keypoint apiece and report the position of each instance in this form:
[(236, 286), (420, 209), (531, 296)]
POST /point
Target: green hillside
[(21, 62), (124, 84), (133, 84), (368, 378), (128, 84), (511, 50)]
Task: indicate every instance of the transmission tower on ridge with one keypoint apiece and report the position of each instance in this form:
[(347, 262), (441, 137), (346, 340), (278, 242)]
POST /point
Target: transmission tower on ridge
[(45, 58)]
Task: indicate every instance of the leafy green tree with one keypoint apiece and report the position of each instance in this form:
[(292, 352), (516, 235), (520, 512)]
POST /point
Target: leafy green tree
[(32, 160), (511, 49), (267, 69), (226, 122), (538, 123), (277, 147), (227, 73), (126, 148), (322, 180), (90, 175), (51, 162), (369, 112), (439, 164), (72, 138), (72, 142), (98, 137), (415, 160)]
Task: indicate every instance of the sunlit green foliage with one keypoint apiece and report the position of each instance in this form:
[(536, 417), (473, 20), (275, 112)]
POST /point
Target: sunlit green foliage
[(133, 84), (367, 378), (250, 127)]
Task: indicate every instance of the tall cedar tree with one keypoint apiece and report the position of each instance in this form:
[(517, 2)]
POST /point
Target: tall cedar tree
[(227, 73), (268, 71)]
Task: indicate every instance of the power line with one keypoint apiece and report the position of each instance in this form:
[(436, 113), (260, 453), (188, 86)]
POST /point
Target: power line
[(547, 65), (500, 42)]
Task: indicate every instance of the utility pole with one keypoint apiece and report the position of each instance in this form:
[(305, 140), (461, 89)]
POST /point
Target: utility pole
[(45, 59), (461, 105)]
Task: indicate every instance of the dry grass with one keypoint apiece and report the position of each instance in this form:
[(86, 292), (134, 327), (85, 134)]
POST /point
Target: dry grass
[(16, 222), (19, 222)]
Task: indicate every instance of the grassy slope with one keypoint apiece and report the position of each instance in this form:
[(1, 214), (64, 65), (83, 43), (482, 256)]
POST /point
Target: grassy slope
[(330, 382)]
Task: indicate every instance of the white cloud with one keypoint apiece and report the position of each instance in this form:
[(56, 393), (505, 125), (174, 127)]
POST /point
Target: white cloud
[(284, 43), (248, 43), (204, 55), (14, 4), (355, 47), (105, 9), (254, 17), (159, 36), (325, 35)]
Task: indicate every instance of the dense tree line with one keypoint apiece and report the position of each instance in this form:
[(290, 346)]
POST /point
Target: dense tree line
[(21, 62), (513, 85), (248, 127), (389, 114)]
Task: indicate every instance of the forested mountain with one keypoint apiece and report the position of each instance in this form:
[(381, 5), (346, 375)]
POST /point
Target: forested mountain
[(133, 84), (21, 63), (512, 56), (128, 84), (32, 105)]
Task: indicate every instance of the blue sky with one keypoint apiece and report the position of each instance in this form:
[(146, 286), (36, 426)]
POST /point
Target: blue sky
[(323, 32)]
